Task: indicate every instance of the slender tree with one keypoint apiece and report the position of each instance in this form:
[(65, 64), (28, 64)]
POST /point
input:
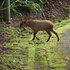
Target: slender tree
[(7, 11)]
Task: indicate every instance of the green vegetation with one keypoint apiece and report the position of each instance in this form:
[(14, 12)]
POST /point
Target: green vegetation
[(25, 54), (30, 5)]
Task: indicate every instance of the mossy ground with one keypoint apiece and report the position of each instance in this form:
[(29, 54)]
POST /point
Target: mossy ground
[(26, 54)]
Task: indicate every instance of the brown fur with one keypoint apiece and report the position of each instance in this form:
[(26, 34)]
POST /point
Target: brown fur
[(37, 25)]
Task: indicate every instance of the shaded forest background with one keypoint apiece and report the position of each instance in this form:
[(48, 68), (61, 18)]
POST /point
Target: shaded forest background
[(38, 9)]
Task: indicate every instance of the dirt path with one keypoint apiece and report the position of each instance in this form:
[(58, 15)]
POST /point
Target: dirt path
[(66, 45)]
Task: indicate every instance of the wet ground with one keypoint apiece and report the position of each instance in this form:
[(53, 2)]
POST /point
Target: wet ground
[(66, 47)]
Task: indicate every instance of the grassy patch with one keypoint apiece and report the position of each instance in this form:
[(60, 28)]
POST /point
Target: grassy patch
[(33, 55)]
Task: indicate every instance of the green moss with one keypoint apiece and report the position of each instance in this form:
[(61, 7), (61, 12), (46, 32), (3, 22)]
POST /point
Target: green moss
[(29, 55)]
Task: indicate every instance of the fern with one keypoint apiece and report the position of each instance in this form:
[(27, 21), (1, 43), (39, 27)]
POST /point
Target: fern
[(32, 5)]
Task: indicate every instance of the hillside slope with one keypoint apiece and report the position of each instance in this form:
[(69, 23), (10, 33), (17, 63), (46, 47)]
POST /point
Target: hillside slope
[(54, 10)]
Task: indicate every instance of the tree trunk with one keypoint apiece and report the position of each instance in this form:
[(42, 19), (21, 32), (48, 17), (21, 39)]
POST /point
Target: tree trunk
[(7, 11)]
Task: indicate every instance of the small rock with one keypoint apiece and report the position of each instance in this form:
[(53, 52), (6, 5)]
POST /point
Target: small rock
[(67, 58)]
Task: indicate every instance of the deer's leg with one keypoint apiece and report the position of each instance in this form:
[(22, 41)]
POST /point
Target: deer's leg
[(49, 33), (37, 38), (55, 34), (34, 35)]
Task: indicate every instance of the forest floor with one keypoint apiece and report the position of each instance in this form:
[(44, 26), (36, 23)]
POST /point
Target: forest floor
[(18, 52)]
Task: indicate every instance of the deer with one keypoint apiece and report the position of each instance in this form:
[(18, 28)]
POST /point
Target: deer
[(40, 25)]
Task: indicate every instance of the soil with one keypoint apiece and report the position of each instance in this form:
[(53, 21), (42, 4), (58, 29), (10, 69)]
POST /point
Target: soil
[(3, 50)]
